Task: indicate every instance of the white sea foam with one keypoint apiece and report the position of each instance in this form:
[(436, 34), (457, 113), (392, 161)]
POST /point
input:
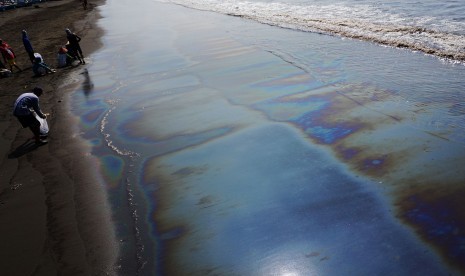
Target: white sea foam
[(107, 136), (431, 34)]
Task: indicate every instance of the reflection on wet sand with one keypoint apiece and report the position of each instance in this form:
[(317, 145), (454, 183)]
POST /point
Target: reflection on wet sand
[(87, 84)]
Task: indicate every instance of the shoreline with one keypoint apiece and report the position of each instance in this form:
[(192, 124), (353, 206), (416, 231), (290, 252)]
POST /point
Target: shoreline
[(54, 212)]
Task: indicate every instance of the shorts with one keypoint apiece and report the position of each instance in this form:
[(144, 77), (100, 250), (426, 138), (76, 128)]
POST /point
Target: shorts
[(28, 121), (11, 61)]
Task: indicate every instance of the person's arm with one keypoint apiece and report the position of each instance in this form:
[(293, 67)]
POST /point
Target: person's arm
[(13, 52), (78, 39), (35, 106)]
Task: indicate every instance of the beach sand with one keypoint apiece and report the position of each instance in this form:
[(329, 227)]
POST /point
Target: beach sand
[(54, 218)]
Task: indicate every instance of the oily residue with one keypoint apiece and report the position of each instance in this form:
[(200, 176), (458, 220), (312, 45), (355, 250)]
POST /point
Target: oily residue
[(437, 215), (169, 229), (374, 165), (347, 153), (329, 114), (188, 171), (344, 117), (93, 116)]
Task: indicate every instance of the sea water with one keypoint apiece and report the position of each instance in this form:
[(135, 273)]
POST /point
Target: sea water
[(434, 27), (232, 147)]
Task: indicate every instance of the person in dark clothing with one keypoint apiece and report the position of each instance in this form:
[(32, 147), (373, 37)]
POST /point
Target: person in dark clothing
[(24, 106), (74, 40), (71, 52), (28, 46)]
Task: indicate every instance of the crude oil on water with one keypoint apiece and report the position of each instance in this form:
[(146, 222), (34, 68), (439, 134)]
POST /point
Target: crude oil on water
[(232, 147)]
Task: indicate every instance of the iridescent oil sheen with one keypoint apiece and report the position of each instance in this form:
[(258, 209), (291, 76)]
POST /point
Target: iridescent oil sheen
[(229, 156)]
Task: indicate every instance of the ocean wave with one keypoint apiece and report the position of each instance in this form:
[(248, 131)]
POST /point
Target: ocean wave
[(436, 36)]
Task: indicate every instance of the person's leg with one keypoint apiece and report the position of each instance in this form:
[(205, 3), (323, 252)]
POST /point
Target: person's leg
[(79, 54), (12, 63), (76, 50), (33, 124), (31, 56), (47, 68), (36, 131), (20, 70), (38, 138)]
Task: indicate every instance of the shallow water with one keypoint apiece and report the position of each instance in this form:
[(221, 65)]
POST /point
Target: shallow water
[(431, 26), (234, 148)]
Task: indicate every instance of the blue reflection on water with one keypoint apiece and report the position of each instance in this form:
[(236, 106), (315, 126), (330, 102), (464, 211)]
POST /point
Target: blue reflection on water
[(246, 213)]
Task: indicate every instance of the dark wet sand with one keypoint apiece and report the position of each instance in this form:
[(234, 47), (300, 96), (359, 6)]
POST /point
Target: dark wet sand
[(54, 216)]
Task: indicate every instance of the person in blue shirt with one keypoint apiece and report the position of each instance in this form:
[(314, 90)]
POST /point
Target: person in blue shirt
[(23, 109)]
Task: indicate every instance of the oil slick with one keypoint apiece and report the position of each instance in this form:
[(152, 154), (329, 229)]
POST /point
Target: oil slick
[(249, 161)]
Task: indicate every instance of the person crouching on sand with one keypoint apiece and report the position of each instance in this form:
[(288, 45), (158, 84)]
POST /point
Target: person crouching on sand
[(22, 111), (40, 68), (63, 57)]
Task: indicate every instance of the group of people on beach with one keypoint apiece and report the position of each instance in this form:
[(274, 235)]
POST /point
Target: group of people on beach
[(66, 55), (26, 107)]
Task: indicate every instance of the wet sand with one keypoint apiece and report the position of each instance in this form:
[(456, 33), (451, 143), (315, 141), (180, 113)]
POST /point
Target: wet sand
[(54, 216)]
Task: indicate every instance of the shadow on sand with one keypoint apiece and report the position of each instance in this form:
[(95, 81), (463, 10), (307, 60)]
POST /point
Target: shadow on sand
[(26, 147)]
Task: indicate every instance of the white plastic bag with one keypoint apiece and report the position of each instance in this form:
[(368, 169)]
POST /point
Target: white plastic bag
[(43, 125)]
